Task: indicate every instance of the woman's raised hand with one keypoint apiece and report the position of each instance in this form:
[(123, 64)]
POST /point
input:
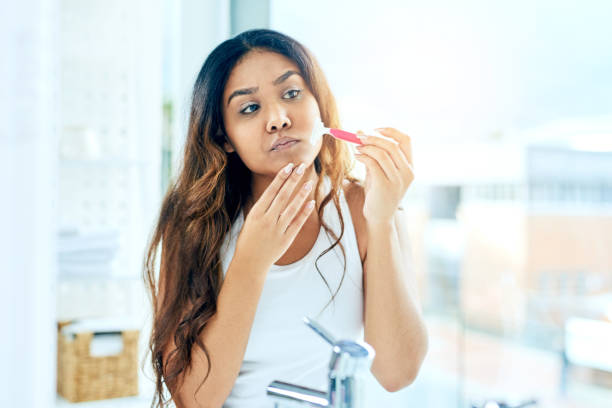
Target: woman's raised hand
[(275, 219)]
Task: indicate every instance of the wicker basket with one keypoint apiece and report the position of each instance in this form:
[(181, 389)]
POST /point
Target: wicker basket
[(83, 377)]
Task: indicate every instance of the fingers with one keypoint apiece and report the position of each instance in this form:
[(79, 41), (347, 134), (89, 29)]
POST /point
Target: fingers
[(287, 215), (396, 151), (298, 222), (389, 145), (280, 202), (383, 159), (270, 193), (372, 165), (402, 138)]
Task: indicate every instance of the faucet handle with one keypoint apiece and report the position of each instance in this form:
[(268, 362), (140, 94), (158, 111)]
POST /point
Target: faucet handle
[(343, 349), (320, 330), (350, 356)]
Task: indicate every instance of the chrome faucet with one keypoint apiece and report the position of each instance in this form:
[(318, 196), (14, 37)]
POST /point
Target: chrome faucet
[(349, 364), (503, 404)]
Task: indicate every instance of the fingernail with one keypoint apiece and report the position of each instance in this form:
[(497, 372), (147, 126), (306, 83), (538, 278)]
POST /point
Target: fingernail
[(288, 168), (362, 137), (308, 185), (300, 169), (310, 204)]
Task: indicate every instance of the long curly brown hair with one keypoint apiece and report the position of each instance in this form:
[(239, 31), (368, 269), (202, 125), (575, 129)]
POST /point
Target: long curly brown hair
[(200, 206)]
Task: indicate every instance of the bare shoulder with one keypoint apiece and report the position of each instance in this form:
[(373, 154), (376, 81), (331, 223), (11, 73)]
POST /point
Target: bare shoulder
[(355, 197)]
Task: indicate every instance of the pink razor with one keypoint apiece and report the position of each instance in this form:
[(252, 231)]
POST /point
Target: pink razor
[(320, 129)]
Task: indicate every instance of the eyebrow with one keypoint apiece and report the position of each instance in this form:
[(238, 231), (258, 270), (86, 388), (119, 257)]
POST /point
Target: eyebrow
[(248, 91)]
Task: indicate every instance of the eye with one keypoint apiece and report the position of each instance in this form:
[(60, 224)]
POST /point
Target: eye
[(295, 92), (247, 108)]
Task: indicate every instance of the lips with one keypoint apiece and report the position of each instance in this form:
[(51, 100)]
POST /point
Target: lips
[(282, 141)]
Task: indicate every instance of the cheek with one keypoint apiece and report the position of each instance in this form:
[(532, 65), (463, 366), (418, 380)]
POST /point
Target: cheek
[(246, 138), (308, 113), (313, 106)]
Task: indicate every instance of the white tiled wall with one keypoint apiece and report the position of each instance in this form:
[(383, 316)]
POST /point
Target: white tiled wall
[(110, 148), (110, 135)]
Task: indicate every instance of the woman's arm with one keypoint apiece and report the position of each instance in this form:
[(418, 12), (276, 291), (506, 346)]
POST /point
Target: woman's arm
[(226, 336), (393, 322)]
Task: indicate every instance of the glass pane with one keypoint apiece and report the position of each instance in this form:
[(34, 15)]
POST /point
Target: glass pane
[(508, 106)]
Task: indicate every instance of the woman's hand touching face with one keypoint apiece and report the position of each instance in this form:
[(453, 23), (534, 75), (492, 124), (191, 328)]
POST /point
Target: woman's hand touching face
[(265, 101)]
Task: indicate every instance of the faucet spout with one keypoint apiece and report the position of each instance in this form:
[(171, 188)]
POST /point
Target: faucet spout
[(295, 393)]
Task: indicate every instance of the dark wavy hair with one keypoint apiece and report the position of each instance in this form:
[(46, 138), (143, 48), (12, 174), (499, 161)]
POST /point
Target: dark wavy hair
[(206, 198)]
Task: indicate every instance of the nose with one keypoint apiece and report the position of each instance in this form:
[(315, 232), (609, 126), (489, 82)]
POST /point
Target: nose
[(278, 120)]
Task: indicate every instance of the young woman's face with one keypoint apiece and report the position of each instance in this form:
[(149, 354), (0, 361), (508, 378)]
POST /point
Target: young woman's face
[(267, 99)]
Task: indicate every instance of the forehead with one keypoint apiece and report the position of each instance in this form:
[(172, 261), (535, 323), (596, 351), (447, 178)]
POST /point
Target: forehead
[(258, 68)]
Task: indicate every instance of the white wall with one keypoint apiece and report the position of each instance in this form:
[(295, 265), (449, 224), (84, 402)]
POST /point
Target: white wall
[(28, 208), (195, 28), (447, 70)]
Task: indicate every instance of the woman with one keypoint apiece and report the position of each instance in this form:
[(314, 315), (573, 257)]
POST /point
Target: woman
[(240, 243)]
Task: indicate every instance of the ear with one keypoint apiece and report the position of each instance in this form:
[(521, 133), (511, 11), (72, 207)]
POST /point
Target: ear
[(227, 145)]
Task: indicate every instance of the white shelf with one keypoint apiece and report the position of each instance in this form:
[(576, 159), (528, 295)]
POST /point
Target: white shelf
[(127, 402), (98, 278), (110, 162)]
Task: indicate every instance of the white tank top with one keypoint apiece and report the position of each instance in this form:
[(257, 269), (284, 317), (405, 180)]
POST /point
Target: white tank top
[(281, 346)]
